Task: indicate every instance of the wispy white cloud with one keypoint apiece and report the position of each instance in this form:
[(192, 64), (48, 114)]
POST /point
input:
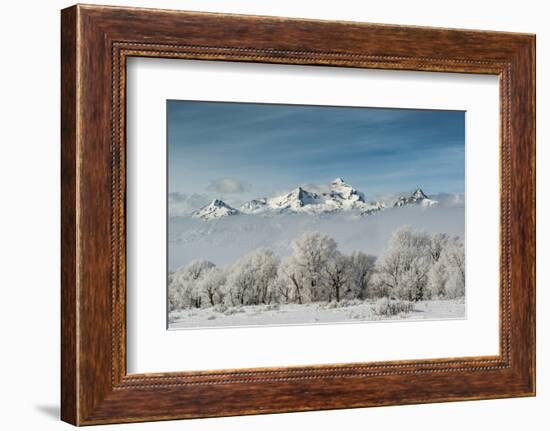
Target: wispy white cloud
[(226, 185)]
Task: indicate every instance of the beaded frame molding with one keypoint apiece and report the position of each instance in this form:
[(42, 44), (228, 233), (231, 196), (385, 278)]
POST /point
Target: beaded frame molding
[(95, 43)]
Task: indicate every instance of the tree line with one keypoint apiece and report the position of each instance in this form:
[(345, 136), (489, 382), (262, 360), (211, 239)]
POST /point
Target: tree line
[(414, 266)]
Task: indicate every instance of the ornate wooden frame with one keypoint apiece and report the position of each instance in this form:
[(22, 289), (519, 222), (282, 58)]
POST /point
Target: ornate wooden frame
[(95, 42)]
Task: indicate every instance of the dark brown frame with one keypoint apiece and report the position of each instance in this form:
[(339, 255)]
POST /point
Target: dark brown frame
[(95, 43)]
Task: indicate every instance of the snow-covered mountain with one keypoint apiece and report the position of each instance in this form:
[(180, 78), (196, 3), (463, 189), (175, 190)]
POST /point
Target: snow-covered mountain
[(297, 200), (339, 189), (338, 197), (254, 206), (214, 210), (417, 198)]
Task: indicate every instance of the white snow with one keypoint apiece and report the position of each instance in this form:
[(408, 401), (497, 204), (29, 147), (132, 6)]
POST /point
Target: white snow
[(296, 200), (292, 314), (215, 210), (339, 197), (417, 198), (254, 206)]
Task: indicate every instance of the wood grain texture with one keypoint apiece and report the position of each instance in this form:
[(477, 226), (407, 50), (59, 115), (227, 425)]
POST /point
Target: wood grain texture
[(96, 41), (69, 367)]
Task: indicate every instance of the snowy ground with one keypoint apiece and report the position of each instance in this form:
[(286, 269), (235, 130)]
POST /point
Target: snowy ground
[(292, 314)]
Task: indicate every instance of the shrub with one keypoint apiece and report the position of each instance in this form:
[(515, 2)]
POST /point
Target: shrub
[(344, 303), (220, 308), (234, 310), (349, 302), (390, 307)]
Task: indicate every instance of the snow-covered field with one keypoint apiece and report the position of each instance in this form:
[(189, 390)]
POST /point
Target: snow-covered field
[(292, 314)]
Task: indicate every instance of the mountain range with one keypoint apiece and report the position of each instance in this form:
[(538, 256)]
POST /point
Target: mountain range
[(339, 197)]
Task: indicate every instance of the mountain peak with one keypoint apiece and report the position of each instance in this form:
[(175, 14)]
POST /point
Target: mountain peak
[(218, 203), (341, 190), (419, 194), (214, 210), (417, 197), (293, 200)]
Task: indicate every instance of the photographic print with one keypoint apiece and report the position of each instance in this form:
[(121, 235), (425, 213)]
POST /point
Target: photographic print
[(298, 214)]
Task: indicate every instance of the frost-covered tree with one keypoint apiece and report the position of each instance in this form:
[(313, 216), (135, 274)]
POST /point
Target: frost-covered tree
[(195, 269), (291, 281), (446, 278), (339, 275), (437, 280), (282, 290), (175, 297), (212, 285), (265, 264), (183, 291), (252, 278), (362, 269), (455, 260), (311, 254), (404, 264), (438, 242), (241, 282)]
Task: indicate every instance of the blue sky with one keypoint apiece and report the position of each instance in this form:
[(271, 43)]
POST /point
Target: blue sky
[(240, 151)]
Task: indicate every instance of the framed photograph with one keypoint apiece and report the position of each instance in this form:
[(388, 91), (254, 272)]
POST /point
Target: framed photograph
[(259, 233), (265, 215)]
